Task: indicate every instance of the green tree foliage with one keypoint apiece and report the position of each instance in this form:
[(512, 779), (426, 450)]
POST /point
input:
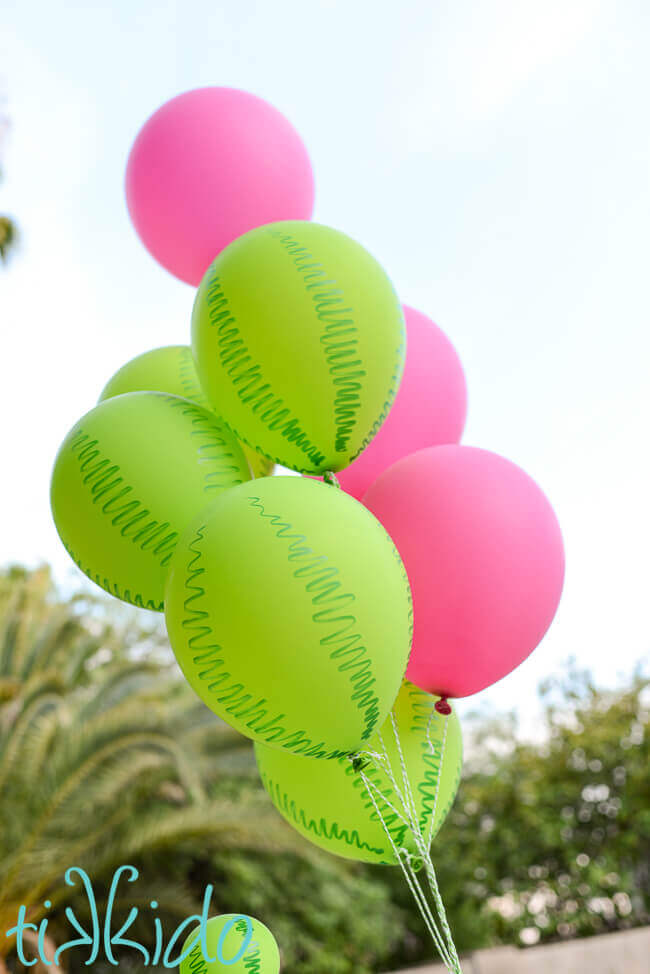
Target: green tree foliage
[(8, 230), (7, 236), (104, 757)]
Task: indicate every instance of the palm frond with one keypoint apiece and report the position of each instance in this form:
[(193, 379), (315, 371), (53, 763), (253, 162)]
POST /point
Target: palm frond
[(106, 756)]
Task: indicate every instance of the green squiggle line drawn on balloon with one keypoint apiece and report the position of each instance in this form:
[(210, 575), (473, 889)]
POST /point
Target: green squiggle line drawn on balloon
[(106, 484), (112, 587), (338, 337), (318, 827), (423, 706), (252, 958), (209, 661), (246, 377), (116, 498), (325, 589), (188, 378), (348, 387), (212, 449), (196, 961)]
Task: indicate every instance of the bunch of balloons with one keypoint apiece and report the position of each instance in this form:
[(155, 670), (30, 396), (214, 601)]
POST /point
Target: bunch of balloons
[(296, 606)]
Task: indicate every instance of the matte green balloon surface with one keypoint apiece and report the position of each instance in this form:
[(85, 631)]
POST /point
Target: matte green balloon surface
[(232, 937), (328, 802), (127, 480), (289, 612), (171, 369), (298, 338)]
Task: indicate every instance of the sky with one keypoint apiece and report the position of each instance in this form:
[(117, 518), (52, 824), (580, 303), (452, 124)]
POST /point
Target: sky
[(494, 156)]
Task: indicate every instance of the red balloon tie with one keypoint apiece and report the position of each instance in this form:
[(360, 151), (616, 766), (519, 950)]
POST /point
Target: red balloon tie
[(443, 706)]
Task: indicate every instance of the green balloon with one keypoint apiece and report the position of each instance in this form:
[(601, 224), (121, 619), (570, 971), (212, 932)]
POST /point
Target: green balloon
[(127, 480), (236, 943), (171, 369), (329, 804), (289, 612), (299, 341)]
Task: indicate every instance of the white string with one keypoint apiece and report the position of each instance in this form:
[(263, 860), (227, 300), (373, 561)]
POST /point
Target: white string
[(426, 911), (442, 938), (403, 857), (442, 950), (422, 846), (388, 768), (383, 761), (405, 777), (428, 864), (371, 784), (411, 877), (442, 913)]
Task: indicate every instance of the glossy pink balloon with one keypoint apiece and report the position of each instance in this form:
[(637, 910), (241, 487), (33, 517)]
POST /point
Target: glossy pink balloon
[(429, 409), (206, 167), (483, 552)]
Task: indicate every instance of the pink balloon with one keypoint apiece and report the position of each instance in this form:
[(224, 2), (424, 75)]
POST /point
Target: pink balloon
[(483, 552), (429, 409), (206, 167)]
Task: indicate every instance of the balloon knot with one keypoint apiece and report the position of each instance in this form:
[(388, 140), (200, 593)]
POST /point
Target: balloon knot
[(330, 478), (443, 706), (415, 862)]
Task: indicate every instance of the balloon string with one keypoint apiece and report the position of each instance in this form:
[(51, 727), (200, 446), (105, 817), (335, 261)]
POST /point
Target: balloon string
[(442, 913), (438, 929), (424, 846), (405, 776), (449, 957), (372, 786), (403, 796), (403, 857)]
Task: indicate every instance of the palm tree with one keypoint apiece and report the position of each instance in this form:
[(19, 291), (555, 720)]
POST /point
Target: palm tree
[(7, 236), (8, 230), (105, 756)]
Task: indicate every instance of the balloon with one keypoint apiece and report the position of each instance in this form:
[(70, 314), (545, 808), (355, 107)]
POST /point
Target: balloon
[(171, 369), (288, 610), (234, 942), (298, 339), (483, 551), (429, 408), (129, 477), (207, 166), (329, 804)]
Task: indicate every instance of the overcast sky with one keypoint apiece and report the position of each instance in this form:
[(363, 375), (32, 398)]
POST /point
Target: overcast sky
[(493, 155)]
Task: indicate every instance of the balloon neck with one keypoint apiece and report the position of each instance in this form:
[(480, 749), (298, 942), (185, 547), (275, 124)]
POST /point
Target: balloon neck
[(443, 706), (330, 478)]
